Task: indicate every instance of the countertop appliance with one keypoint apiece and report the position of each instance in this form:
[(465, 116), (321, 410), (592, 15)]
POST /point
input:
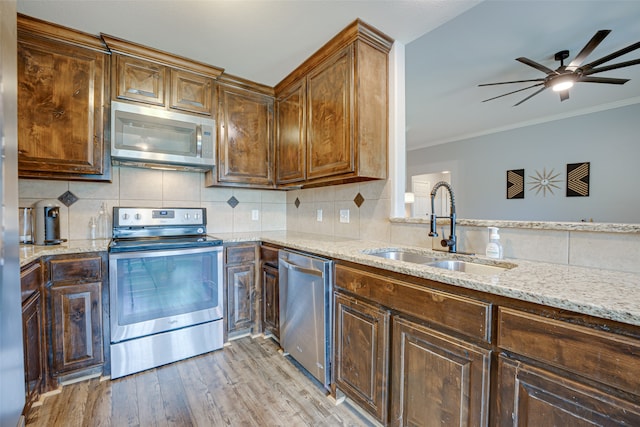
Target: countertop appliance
[(150, 137), (166, 288), (47, 223), (25, 232), (306, 311)]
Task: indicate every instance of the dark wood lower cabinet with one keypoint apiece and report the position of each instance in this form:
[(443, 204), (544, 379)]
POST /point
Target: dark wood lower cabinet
[(76, 329), (270, 300), (361, 364), (32, 330), (437, 380), (531, 396), (240, 285)]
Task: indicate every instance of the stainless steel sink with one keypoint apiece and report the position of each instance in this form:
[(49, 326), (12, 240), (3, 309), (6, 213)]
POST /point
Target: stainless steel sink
[(467, 267), (405, 256), (440, 262)]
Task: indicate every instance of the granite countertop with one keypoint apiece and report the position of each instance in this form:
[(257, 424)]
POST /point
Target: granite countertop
[(601, 293), (30, 253)]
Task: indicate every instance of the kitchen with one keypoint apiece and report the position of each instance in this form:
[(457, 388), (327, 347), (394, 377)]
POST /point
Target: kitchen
[(279, 211)]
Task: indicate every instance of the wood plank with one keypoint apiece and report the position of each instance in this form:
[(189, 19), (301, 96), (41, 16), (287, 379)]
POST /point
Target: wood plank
[(248, 383)]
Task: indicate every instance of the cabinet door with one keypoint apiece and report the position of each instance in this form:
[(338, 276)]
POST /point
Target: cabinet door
[(60, 108), (191, 92), (76, 328), (530, 396), (245, 147), (291, 141), (240, 288), (32, 331), (329, 111), (139, 80), (361, 358), (437, 380), (270, 300)]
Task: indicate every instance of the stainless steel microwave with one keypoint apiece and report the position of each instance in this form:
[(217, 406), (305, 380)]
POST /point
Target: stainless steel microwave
[(149, 137)]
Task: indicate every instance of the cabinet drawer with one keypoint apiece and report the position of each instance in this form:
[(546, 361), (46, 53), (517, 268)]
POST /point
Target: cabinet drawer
[(601, 356), (240, 254), (30, 280), (467, 316), (76, 269), (269, 255)]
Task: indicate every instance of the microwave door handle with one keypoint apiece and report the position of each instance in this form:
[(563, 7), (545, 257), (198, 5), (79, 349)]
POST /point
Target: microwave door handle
[(199, 141)]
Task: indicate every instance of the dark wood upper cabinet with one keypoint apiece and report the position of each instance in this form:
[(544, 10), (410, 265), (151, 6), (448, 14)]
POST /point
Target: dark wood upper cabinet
[(140, 81), (291, 140), (245, 135), (62, 87), (154, 77), (335, 109)]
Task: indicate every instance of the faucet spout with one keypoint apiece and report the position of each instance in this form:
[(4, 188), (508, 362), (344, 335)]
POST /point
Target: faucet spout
[(451, 242)]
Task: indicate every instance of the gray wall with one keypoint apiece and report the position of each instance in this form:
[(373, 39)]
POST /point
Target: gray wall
[(609, 140), (11, 358)]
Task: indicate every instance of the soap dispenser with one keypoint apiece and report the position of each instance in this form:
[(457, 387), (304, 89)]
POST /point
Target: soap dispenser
[(103, 223), (494, 248)]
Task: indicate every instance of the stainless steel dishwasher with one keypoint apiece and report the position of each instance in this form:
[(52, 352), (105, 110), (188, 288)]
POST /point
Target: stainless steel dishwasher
[(305, 311)]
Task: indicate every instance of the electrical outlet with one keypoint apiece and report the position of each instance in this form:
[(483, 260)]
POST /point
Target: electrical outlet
[(319, 215), (255, 214), (344, 216)]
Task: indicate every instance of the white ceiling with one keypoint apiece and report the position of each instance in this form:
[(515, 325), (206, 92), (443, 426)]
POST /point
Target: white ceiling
[(451, 47)]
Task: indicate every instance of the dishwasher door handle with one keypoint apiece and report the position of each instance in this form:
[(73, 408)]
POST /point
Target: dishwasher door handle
[(300, 269)]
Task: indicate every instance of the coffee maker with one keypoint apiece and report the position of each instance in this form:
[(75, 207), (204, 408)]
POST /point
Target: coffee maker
[(47, 225)]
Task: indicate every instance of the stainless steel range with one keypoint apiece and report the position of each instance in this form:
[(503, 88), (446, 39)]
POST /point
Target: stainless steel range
[(166, 291)]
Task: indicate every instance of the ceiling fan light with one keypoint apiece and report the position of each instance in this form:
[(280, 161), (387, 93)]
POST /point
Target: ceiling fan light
[(562, 83)]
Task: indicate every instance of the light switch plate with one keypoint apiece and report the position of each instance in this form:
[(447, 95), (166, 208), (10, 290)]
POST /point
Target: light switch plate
[(255, 214), (319, 215), (344, 216)]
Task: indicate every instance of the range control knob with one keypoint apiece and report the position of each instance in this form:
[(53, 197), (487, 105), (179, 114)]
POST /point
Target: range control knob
[(125, 216), (200, 230), (196, 216), (187, 216), (138, 216)]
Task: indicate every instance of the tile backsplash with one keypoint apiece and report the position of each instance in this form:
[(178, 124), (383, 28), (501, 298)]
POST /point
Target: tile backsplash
[(278, 210), (155, 188)]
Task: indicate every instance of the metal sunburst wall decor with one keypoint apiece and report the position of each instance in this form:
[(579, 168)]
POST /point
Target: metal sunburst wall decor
[(545, 182)]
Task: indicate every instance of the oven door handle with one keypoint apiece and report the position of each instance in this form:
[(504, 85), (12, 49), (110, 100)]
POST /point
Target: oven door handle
[(294, 267)]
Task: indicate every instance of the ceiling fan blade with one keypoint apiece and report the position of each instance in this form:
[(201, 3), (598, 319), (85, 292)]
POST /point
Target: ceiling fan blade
[(587, 49), (611, 67), (609, 80), (530, 96), (514, 81), (564, 95), (535, 65), (611, 56), (509, 93)]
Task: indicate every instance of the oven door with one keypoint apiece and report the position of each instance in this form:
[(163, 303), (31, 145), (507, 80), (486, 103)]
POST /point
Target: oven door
[(158, 291)]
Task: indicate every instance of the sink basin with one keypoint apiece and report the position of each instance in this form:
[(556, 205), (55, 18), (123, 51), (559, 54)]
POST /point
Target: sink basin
[(405, 256), (439, 262), (467, 267)]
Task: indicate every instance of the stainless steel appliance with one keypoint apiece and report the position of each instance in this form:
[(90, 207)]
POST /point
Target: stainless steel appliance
[(47, 223), (151, 137), (165, 278), (25, 232), (306, 311)]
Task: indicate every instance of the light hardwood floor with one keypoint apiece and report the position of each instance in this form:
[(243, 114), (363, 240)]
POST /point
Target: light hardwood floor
[(248, 383)]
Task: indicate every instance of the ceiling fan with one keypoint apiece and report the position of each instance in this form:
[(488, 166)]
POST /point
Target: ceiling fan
[(563, 77)]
